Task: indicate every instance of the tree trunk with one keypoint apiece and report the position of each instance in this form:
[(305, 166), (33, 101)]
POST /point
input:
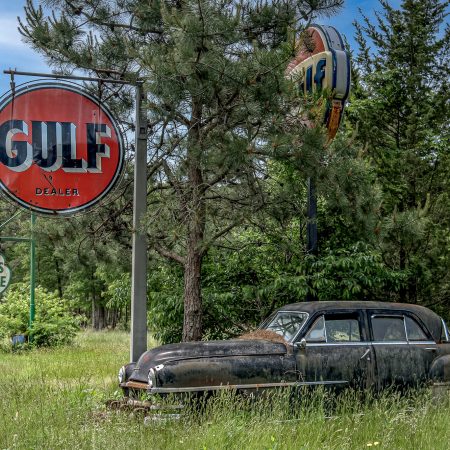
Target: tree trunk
[(195, 217), (93, 303), (98, 311), (58, 278), (93, 313), (192, 326), (101, 317)]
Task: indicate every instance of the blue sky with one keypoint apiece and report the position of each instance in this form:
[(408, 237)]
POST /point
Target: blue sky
[(16, 55)]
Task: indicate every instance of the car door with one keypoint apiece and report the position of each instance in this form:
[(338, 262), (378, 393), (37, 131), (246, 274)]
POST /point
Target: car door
[(422, 348), (391, 349), (335, 350)]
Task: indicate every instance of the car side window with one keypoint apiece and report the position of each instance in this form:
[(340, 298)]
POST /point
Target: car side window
[(334, 329), (414, 331), (388, 329), (342, 329)]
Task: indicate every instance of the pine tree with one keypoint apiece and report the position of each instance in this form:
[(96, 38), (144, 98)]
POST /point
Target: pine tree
[(403, 108), (214, 71)]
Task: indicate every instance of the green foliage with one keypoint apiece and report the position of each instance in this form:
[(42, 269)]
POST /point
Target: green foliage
[(356, 273), (349, 196), (118, 291), (229, 163), (262, 266), (215, 74), (165, 302), (54, 323), (401, 107)]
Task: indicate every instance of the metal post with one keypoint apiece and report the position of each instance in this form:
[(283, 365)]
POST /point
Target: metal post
[(10, 219), (138, 344), (32, 277), (311, 229)]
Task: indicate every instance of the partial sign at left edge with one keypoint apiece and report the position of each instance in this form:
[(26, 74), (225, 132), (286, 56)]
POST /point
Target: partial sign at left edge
[(5, 274)]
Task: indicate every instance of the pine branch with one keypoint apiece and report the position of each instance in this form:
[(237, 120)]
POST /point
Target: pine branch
[(169, 254)]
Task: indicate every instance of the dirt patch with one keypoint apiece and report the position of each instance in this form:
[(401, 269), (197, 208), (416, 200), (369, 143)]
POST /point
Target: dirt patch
[(264, 335)]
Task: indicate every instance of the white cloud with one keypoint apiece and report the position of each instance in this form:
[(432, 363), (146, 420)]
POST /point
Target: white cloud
[(10, 38), (15, 54)]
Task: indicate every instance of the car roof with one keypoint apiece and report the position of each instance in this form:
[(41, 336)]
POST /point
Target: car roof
[(431, 320)]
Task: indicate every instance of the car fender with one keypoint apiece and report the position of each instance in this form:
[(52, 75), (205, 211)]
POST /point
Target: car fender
[(440, 368), (129, 370)]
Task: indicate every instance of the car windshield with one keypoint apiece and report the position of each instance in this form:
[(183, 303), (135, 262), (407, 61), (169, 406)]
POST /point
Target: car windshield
[(286, 324)]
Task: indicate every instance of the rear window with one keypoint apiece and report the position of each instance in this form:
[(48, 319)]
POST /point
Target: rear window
[(415, 332), (397, 329), (388, 329)]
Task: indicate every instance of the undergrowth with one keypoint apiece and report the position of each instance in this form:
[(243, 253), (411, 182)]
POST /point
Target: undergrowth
[(55, 399)]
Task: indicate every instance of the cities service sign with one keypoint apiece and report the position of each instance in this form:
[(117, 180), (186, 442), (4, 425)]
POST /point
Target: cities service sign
[(60, 148), (322, 64)]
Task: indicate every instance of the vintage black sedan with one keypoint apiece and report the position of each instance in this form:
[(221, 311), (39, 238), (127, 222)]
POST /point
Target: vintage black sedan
[(337, 344)]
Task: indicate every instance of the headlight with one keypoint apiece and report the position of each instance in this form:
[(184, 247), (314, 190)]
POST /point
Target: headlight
[(151, 378), (122, 374)]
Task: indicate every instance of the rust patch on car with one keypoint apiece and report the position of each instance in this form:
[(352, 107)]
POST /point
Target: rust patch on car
[(263, 335), (134, 385)]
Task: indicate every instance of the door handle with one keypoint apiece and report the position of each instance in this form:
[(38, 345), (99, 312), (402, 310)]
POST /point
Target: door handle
[(431, 349), (366, 353)]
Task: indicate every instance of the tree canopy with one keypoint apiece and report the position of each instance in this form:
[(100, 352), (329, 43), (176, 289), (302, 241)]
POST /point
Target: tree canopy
[(228, 163)]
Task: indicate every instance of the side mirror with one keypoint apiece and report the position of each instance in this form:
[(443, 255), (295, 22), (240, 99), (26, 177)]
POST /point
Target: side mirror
[(302, 344)]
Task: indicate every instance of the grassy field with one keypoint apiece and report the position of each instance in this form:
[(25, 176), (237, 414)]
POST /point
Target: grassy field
[(54, 399)]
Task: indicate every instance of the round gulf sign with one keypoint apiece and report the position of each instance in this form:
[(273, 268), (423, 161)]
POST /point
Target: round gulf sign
[(61, 150), (322, 64)]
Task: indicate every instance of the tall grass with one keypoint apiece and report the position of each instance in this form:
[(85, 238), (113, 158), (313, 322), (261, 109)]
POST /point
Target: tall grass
[(54, 399)]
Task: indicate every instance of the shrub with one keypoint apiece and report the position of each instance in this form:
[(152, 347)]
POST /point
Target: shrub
[(54, 324)]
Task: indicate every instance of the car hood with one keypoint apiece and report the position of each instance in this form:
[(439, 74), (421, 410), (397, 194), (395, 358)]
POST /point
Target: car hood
[(197, 350)]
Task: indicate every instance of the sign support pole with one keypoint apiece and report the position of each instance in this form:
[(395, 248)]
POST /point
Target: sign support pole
[(311, 229), (138, 343), (32, 276)]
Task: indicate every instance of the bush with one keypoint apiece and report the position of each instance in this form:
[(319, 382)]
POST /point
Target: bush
[(53, 325)]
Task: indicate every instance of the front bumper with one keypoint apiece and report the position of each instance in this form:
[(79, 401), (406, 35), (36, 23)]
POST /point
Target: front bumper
[(139, 385), (134, 385)]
